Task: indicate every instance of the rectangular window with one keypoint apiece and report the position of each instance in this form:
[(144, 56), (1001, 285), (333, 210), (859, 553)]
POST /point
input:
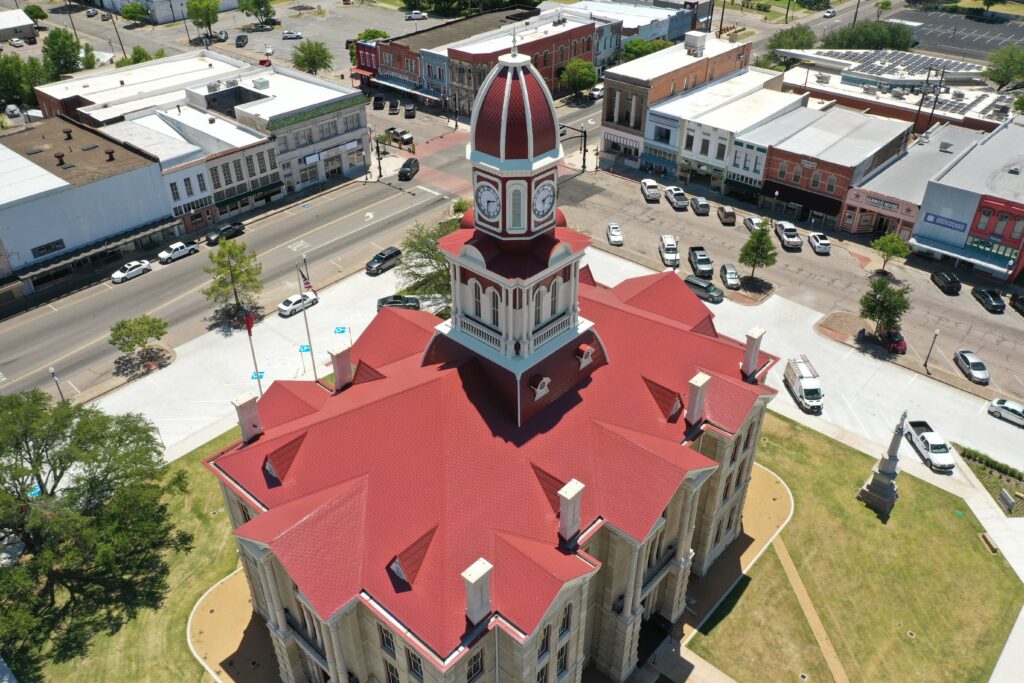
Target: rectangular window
[(174, 192), (1004, 218), (387, 639), (563, 627), (1018, 228), (284, 143), (202, 182), (215, 176), (328, 129), (391, 672), (720, 152), (689, 141), (415, 665), (783, 168), (662, 135), (545, 642), (188, 186), (542, 675), (798, 173), (831, 187), (757, 164), (815, 179), (563, 659), (250, 165), (238, 169), (273, 158), (304, 137), (226, 170), (476, 666), (261, 161), (705, 146)]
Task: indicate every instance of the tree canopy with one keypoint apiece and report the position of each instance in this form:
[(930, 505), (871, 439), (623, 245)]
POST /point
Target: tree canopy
[(61, 53), (312, 56), (870, 35), (579, 75), (1006, 66), (236, 275), (796, 38), (423, 268), (261, 10), (882, 6), (135, 12), (638, 47), (759, 251), (885, 304), (85, 493), (35, 13), (139, 55), (203, 13), (368, 34), (891, 246), (129, 336), (1018, 105)]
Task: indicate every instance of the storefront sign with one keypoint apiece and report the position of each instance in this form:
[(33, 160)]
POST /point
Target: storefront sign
[(944, 222), (311, 159), (882, 203), (808, 164), (663, 120)]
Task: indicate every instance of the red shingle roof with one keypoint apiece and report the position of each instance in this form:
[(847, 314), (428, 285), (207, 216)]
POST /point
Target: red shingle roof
[(425, 464)]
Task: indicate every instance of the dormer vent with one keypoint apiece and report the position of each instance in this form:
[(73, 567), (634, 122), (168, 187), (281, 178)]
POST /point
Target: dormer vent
[(540, 386), (585, 355)]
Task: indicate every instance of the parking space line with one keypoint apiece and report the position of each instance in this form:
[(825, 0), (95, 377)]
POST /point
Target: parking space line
[(53, 307)]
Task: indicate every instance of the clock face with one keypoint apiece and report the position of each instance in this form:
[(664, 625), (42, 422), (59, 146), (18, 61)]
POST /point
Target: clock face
[(544, 199), (487, 201)]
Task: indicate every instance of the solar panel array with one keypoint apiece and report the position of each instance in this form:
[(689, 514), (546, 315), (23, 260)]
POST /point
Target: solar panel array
[(884, 62), (952, 106), (999, 108)]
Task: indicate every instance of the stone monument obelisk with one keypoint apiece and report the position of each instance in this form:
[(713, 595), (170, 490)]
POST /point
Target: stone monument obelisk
[(880, 491)]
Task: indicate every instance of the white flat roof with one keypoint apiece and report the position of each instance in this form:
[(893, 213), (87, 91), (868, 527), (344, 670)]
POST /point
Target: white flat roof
[(986, 168), (844, 136), (228, 132), (632, 16), (285, 93), (536, 28), (14, 18), (151, 134), (749, 110), (669, 59), (694, 103), (21, 178), (104, 113), (778, 129)]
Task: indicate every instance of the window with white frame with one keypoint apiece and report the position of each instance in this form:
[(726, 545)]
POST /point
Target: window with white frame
[(261, 161), (831, 186), (328, 129), (238, 169), (495, 306), (250, 165), (387, 639), (816, 179), (538, 303), (226, 170), (415, 664), (517, 210), (783, 169), (544, 644), (555, 286), (563, 660), (475, 666), (272, 155), (798, 173), (215, 176), (202, 182), (542, 675), (304, 137), (477, 305), (188, 186), (391, 672), (566, 622), (174, 192)]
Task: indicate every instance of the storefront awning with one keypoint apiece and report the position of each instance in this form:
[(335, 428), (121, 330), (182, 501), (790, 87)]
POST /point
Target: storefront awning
[(829, 206), (999, 266), (394, 85), (258, 192), (362, 72), (94, 248)]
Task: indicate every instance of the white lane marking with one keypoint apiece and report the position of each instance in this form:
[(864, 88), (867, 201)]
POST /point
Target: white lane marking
[(382, 218), (299, 246), (3, 377), (53, 307), (427, 189), (77, 390)]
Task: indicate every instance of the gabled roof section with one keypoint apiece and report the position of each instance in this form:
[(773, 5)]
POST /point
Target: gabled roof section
[(365, 373), (668, 400), (587, 276), (405, 334), (280, 459), (411, 559), (663, 294), (551, 485), (287, 400)]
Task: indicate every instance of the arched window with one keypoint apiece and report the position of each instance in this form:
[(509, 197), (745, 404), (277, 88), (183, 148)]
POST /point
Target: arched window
[(517, 209), (554, 297), (495, 301), (476, 299), (572, 49), (986, 216), (815, 179), (547, 57), (538, 303)]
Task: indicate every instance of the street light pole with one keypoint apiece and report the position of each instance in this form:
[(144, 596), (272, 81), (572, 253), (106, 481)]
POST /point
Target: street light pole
[(927, 357), (67, 4), (113, 20), (53, 374)]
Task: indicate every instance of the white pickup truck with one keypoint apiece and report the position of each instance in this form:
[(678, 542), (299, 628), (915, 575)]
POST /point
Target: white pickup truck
[(935, 450), (177, 251), (804, 383)]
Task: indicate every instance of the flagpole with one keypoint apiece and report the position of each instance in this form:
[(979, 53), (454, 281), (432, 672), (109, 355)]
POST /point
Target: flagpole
[(252, 350), (305, 318)]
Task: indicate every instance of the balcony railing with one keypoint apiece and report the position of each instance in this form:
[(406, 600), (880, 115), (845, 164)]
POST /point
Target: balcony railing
[(300, 631), (552, 330), (475, 329)]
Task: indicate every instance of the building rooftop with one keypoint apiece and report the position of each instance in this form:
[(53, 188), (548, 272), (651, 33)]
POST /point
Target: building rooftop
[(155, 136), (694, 103), (284, 91), (844, 136), (778, 129), (452, 31), (887, 65), (632, 16), (659, 63), (995, 165), (749, 110), (535, 28), (907, 177), (14, 18), (28, 166)]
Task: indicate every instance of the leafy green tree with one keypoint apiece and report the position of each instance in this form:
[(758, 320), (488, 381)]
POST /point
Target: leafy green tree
[(639, 47), (12, 78), (35, 13), (891, 246), (134, 334), (88, 57), (1006, 66), (759, 251), (34, 74), (796, 38), (461, 206), (368, 34), (261, 10), (236, 276), (86, 493), (135, 12), (579, 75), (203, 13), (882, 6), (870, 35), (1018, 105), (423, 268), (988, 3), (62, 53), (885, 304), (312, 56)]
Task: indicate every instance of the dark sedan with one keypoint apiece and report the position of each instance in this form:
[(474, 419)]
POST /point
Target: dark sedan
[(225, 233), (399, 301), (1017, 303), (947, 282), (990, 299)]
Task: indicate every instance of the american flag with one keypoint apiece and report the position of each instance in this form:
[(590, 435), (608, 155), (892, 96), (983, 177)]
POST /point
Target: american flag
[(305, 281)]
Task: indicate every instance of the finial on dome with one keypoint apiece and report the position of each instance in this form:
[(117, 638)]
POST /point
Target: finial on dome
[(515, 50)]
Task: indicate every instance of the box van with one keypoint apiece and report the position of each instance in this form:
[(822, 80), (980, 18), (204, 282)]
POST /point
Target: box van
[(649, 189), (803, 382)]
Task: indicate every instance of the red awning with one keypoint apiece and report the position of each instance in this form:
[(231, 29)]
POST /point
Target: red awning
[(361, 72)]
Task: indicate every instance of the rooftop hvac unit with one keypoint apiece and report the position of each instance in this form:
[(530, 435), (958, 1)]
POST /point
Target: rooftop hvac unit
[(822, 78), (231, 83), (870, 89), (1002, 108), (898, 93), (1014, 170), (213, 86), (260, 83)]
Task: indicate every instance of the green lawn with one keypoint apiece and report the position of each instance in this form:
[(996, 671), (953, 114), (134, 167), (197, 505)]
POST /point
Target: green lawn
[(153, 648), (926, 571), (1002, 8), (783, 647)]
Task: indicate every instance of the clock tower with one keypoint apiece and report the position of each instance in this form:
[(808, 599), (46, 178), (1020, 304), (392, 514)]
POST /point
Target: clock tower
[(515, 265)]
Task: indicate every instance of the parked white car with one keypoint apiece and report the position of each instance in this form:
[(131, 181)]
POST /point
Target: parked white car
[(416, 15), (668, 247), (1008, 410), (615, 234), (296, 303), (730, 277), (788, 236), (130, 270), (649, 189), (751, 223), (16, 42), (291, 35), (597, 92), (676, 197), (829, 13), (819, 243)]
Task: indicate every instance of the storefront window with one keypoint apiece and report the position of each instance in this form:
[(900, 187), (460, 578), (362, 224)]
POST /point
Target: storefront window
[(1018, 228), (1004, 218), (986, 216)]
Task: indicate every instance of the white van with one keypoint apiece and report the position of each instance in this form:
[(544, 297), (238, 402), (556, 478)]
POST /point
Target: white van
[(803, 382), (649, 189)]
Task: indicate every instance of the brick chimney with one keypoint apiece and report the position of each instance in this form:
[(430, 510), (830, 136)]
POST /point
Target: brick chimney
[(695, 402), (753, 347), (342, 365), (248, 417), (570, 497), (478, 590)]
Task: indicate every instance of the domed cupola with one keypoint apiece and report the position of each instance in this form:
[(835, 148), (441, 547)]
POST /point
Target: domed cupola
[(514, 117)]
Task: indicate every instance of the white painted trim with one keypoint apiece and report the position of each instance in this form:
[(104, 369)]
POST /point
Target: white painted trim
[(529, 119), (188, 627), (503, 132)]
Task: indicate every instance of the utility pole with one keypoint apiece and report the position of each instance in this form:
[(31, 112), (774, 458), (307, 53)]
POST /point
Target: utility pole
[(113, 20), (67, 4), (305, 318), (721, 21), (927, 82), (856, 10), (788, 5), (935, 99), (380, 171)]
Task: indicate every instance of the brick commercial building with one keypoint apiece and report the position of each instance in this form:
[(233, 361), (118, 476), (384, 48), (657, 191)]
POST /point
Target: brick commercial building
[(631, 88), (808, 174), (566, 453)]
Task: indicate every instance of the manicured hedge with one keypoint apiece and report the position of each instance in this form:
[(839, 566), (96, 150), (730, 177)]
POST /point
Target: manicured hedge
[(978, 456)]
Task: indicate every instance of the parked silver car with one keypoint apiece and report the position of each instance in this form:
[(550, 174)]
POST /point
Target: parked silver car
[(1008, 410), (972, 366)]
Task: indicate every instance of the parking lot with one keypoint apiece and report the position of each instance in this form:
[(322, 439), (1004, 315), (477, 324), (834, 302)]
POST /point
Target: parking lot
[(961, 36), (823, 283)]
